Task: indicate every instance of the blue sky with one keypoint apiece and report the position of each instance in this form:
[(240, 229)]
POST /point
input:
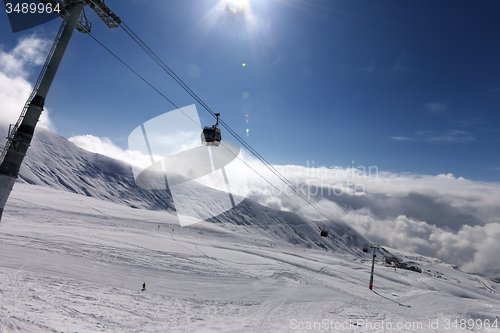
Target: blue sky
[(408, 86)]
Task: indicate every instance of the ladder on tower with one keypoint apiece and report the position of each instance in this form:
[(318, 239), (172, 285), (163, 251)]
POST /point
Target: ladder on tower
[(13, 127)]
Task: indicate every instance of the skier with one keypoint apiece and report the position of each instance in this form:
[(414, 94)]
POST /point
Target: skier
[(144, 286)]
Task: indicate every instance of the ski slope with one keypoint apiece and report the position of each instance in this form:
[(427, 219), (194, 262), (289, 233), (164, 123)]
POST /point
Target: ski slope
[(73, 263)]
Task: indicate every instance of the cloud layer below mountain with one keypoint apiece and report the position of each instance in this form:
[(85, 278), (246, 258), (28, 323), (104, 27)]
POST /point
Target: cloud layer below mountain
[(453, 219)]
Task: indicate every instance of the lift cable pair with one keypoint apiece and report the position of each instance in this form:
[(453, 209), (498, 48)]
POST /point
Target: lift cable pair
[(183, 85), (175, 106), (179, 81)]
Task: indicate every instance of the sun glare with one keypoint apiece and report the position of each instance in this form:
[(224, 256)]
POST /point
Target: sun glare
[(239, 13), (237, 6)]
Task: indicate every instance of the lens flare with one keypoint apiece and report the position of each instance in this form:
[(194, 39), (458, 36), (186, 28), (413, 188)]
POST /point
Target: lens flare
[(236, 6)]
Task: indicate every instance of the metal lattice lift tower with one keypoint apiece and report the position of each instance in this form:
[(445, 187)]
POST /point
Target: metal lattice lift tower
[(21, 133)]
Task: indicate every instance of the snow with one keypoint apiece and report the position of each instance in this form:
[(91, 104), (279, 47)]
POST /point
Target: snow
[(72, 263), (78, 239)]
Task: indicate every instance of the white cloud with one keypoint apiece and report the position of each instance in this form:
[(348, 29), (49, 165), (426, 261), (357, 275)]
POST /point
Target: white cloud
[(15, 65), (442, 137), (436, 107), (402, 138), (106, 147), (30, 51), (449, 136), (13, 94), (454, 219), (472, 248)]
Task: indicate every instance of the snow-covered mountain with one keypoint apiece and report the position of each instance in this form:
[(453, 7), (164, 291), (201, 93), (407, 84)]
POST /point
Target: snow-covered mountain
[(55, 162), (77, 245)]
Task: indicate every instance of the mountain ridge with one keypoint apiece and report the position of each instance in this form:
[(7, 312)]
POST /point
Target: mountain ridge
[(56, 162)]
